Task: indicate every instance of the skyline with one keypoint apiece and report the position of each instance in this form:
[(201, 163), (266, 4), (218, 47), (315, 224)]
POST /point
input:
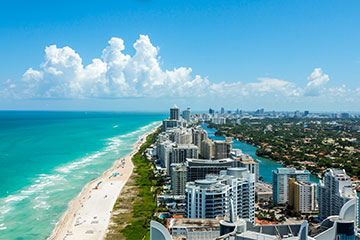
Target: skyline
[(123, 57)]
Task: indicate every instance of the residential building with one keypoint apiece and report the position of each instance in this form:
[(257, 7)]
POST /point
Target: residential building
[(207, 150), (335, 189), (187, 115), (199, 135), (182, 136), (223, 148), (210, 197), (199, 168), (245, 160), (166, 154), (302, 196), (281, 182), (175, 113), (218, 120), (169, 123), (178, 178), (183, 151)]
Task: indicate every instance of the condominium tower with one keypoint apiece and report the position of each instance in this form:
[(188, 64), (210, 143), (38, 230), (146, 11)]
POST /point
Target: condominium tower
[(335, 189), (210, 197), (281, 182), (302, 196)]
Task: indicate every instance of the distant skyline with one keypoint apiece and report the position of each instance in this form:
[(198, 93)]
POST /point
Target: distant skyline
[(148, 55)]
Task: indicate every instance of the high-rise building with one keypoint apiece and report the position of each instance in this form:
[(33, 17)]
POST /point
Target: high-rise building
[(306, 113), (182, 136), (178, 178), (246, 161), (222, 110), (175, 113), (169, 123), (199, 168), (199, 135), (207, 150), (281, 182), (166, 154), (211, 111), (223, 148), (302, 196), (211, 197), (187, 115), (183, 151), (335, 189), (206, 198)]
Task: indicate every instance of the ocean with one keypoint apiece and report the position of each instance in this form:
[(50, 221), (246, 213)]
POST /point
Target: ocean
[(46, 158)]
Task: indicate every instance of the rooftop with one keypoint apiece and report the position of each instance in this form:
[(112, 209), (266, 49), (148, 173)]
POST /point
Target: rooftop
[(194, 222)]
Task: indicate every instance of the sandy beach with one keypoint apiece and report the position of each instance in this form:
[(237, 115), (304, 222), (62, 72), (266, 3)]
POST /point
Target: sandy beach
[(88, 215)]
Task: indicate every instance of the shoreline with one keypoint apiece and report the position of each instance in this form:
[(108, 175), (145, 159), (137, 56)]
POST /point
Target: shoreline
[(88, 214)]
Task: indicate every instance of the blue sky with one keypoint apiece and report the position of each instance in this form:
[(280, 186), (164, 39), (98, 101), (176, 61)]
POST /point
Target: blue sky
[(281, 55)]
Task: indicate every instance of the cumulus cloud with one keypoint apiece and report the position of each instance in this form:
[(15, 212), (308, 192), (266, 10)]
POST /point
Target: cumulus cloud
[(317, 80), (118, 75), (114, 75)]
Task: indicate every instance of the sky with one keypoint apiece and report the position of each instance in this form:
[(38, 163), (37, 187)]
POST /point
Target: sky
[(147, 55)]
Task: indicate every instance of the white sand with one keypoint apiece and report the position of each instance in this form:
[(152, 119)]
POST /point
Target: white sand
[(88, 215)]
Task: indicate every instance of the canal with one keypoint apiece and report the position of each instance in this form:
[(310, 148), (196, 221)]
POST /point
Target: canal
[(266, 166)]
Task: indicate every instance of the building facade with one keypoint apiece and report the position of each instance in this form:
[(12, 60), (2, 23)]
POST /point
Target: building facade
[(207, 150), (175, 113), (199, 168), (302, 196), (223, 148), (187, 115), (281, 182), (178, 178), (210, 197), (335, 189), (183, 151)]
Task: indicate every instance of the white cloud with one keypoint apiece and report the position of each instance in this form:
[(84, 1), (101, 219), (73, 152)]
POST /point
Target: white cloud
[(117, 75), (317, 80), (32, 75), (273, 86)]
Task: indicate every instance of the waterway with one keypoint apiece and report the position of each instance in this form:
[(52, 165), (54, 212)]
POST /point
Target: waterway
[(266, 166)]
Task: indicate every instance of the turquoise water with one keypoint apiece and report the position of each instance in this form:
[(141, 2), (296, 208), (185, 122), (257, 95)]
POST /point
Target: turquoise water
[(265, 165), (47, 157)]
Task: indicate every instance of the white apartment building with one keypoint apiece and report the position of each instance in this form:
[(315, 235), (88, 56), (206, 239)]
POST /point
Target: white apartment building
[(335, 189), (210, 197)]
